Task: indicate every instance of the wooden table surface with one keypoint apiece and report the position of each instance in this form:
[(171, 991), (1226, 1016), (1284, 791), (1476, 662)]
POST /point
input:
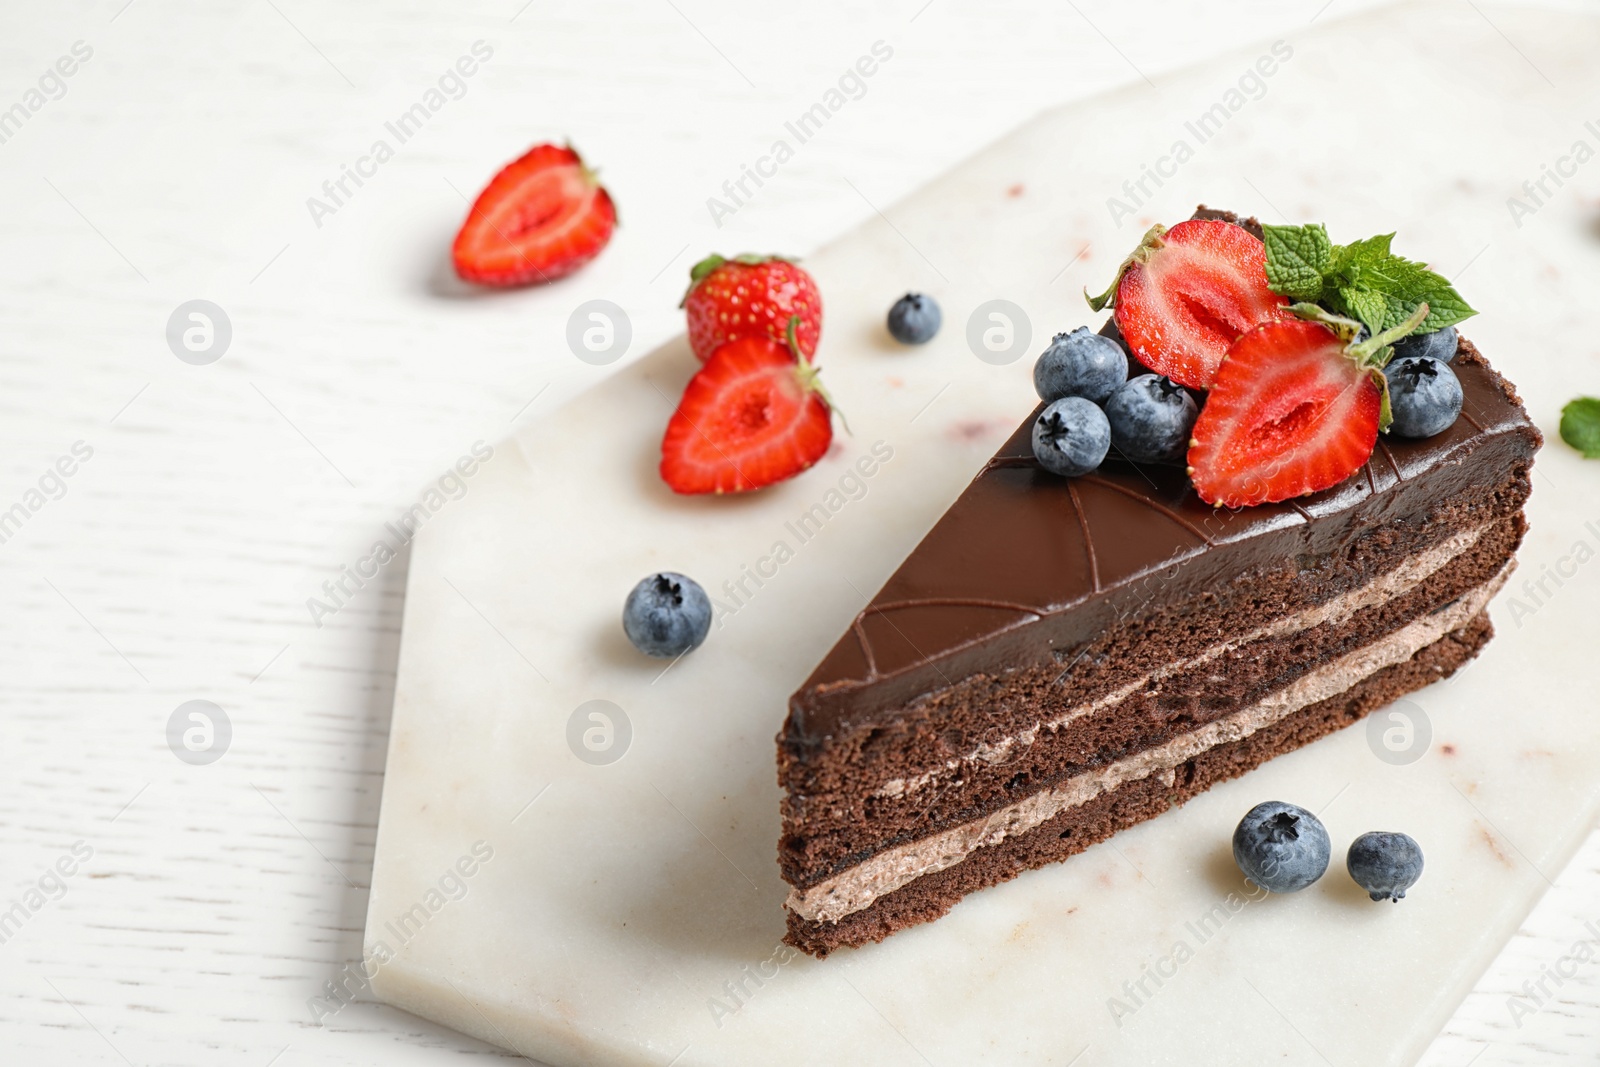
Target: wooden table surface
[(167, 525)]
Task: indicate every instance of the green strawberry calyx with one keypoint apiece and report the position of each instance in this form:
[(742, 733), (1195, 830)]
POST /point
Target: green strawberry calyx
[(1372, 354), (1154, 238), (707, 266), (806, 372)]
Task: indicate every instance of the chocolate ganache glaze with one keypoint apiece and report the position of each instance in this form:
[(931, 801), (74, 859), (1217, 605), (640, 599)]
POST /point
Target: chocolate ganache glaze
[(1027, 566)]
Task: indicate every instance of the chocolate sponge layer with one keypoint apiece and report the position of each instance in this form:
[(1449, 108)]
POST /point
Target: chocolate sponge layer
[(1074, 830)]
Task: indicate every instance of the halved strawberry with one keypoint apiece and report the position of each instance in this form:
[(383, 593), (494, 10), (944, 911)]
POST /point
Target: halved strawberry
[(541, 218), (750, 296), (753, 415), (1187, 293), (1289, 413)]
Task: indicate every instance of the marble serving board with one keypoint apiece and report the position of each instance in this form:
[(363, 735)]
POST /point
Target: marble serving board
[(605, 891)]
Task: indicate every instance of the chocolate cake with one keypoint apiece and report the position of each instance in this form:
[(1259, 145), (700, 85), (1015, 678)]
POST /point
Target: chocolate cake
[(1062, 658)]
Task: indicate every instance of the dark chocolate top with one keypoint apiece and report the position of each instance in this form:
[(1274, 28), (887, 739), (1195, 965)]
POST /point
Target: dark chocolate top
[(1026, 564)]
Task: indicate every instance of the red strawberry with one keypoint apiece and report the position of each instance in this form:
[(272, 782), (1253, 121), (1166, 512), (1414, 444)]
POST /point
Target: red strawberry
[(750, 296), (1294, 409), (1187, 293), (539, 219), (753, 415)]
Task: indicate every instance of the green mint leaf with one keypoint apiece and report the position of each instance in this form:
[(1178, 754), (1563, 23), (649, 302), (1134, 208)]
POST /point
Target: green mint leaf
[(1371, 251), (1580, 426), (1445, 308), (1413, 285), (1363, 280), (1403, 285), (1352, 266), (1369, 306), (1297, 259)]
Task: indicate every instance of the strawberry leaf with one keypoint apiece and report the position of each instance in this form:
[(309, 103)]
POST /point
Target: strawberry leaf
[(807, 374), (1346, 328), (1580, 426), (705, 266), (1385, 411), (703, 269), (699, 272), (1107, 299), (1376, 351), (1152, 240)]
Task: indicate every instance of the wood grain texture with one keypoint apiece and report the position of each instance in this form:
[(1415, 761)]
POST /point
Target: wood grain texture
[(178, 560)]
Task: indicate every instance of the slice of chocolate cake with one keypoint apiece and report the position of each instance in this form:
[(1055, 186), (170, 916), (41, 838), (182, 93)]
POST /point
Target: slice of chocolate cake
[(1061, 658)]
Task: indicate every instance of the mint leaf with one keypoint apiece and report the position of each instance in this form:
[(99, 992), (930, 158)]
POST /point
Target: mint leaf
[(1373, 250), (1406, 285), (1580, 426), (1363, 280), (1354, 279), (1445, 308), (1412, 284), (1369, 306), (1449, 310), (1297, 258)]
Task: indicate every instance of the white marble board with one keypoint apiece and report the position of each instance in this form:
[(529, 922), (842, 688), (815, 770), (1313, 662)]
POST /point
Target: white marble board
[(630, 912)]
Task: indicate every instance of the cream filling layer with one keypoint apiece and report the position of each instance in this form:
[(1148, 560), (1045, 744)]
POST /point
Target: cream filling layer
[(1397, 582), (857, 888)]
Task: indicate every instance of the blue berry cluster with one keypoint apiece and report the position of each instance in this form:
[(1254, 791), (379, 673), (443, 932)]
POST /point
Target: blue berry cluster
[(1093, 406)]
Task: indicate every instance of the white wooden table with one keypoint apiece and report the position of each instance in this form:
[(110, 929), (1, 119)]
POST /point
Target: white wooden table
[(172, 912)]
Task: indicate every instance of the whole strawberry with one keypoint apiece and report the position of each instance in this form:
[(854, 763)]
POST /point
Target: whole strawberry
[(750, 296)]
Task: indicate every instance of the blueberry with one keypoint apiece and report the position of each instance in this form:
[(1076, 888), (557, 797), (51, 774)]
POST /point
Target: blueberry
[(1424, 395), (1384, 864), (667, 615), (1071, 437), (1281, 847), (1152, 418), (1440, 344), (914, 319), (1080, 363)]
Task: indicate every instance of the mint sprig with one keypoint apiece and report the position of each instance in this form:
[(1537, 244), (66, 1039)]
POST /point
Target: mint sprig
[(1580, 426), (1363, 280)]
